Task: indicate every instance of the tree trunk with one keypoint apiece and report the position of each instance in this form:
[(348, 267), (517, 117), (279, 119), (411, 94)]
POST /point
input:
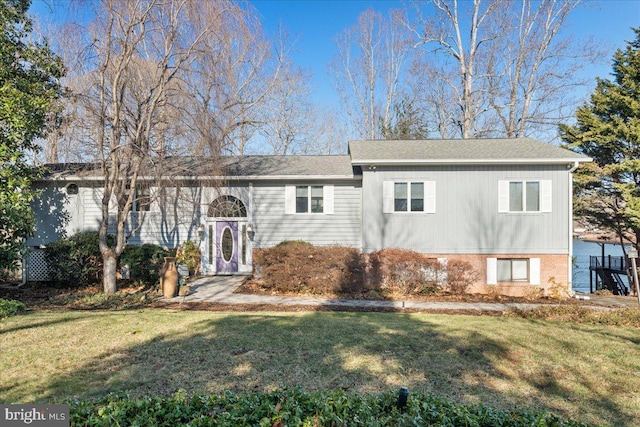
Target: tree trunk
[(109, 273)]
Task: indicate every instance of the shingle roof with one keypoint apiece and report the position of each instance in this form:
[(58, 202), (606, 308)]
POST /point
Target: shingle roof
[(228, 166), (505, 150), (517, 150), (280, 166)]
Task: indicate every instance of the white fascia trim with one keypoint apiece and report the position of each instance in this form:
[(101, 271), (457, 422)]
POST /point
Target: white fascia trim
[(224, 178), (414, 162)]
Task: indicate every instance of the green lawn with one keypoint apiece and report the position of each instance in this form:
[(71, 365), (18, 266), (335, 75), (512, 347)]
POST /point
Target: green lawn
[(586, 372)]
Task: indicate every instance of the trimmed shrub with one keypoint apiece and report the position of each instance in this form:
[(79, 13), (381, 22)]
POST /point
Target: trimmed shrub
[(460, 276), (300, 267), (9, 307), (188, 253), (75, 261), (144, 262), (292, 242), (405, 272), (298, 408)]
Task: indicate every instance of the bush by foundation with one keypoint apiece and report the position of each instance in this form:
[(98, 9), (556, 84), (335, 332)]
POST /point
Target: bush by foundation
[(460, 276), (301, 268), (405, 272)]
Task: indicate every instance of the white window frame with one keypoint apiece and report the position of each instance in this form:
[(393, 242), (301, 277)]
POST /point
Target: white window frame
[(428, 197), (327, 199), (545, 196), (534, 270)]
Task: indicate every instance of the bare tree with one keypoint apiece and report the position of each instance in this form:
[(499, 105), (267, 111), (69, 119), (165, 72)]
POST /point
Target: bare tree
[(373, 57), (228, 83), (137, 51), (533, 69), (287, 113), (446, 29), (513, 69)]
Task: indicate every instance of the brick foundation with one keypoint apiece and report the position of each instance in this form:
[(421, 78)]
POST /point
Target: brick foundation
[(553, 272)]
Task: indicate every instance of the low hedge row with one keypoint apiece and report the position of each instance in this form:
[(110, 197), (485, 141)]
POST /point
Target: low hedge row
[(295, 407), (299, 267)]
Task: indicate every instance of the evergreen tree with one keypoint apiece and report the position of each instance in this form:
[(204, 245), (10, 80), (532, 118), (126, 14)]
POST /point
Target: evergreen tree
[(406, 122), (608, 130), (29, 74)]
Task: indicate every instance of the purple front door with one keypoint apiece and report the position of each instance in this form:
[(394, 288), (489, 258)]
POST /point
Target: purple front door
[(227, 246)]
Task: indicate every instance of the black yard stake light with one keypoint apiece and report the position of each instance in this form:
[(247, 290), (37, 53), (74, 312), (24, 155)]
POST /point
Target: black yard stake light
[(403, 395)]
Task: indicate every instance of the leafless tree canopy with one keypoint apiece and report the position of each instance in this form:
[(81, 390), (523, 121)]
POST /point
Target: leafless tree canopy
[(507, 67), (369, 73)]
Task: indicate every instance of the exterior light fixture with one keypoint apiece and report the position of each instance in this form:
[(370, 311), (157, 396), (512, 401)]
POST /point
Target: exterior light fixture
[(200, 231)]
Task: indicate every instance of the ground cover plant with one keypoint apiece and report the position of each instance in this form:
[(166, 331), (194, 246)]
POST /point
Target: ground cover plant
[(10, 308), (585, 372), (39, 295), (294, 407)]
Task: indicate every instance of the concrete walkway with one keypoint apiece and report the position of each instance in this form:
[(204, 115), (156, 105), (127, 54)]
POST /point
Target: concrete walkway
[(221, 289)]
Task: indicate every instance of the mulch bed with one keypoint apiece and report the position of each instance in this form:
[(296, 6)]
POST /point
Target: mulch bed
[(255, 287), (212, 306), (38, 296)]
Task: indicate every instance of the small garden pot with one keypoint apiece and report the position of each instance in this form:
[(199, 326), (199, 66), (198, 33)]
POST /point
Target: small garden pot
[(184, 290), (169, 278)]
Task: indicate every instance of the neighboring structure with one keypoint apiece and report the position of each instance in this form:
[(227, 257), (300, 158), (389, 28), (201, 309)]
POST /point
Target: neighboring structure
[(503, 205)]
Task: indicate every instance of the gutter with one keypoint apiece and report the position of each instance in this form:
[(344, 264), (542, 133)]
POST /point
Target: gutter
[(423, 162)]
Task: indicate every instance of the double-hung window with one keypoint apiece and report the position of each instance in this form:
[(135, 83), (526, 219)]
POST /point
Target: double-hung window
[(409, 196), (308, 199), (524, 196)]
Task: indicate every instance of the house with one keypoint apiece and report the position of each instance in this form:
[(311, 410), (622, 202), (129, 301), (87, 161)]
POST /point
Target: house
[(503, 205)]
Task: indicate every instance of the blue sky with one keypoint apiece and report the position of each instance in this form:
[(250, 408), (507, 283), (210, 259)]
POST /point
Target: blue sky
[(315, 24)]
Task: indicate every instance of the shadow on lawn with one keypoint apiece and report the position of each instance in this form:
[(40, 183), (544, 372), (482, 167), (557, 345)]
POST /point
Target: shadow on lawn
[(35, 325), (365, 353)]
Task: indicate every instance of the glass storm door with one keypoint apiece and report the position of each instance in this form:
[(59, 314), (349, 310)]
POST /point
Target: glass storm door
[(227, 246)]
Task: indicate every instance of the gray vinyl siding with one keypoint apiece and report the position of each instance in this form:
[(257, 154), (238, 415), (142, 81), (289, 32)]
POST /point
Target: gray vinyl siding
[(176, 214), (173, 217), (466, 218), (272, 225), (57, 214)]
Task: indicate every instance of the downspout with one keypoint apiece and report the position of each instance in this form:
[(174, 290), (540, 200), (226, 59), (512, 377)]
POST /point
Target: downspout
[(250, 236), (572, 169), (25, 266)]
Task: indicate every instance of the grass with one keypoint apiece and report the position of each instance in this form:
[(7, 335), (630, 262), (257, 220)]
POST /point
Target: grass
[(587, 372)]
